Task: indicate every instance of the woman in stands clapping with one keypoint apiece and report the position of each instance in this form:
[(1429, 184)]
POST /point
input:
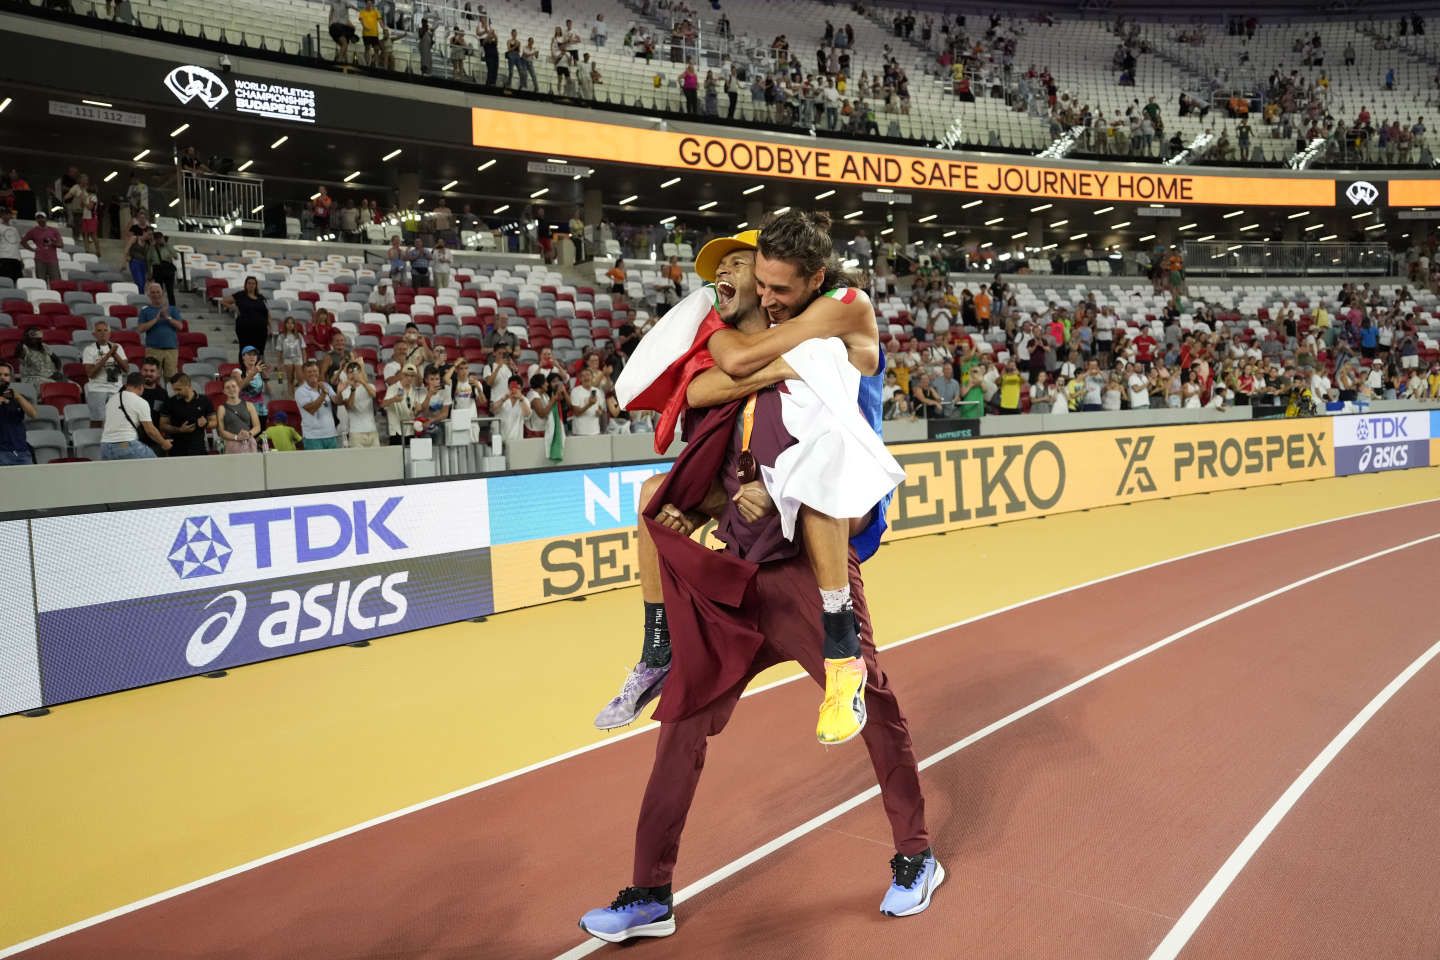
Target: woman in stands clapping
[(252, 316), (239, 423)]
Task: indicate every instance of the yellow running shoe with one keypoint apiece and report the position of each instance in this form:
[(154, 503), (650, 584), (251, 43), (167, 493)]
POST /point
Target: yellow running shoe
[(842, 715)]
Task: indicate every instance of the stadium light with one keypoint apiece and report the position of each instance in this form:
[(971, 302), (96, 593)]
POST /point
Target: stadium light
[(1059, 223), (1079, 236), (825, 194), (1297, 216), (781, 211), (755, 189), (1375, 226), (450, 185), (853, 214), (1208, 236), (708, 205), (179, 130), (630, 199), (1249, 227), (668, 220), (352, 177), (1189, 226), (1041, 208), (1020, 236), (1330, 236), (1232, 214), (1315, 226), (4, 104), (539, 193), (98, 103), (972, 203), (240, 169), (887, 231), (141, 155), (485, 166), (1362, 216), (991, 223), (742, 224), (948, 234), (927, 218), (111, 176), (500, 209), (986, 245), (391, 155), (279, 143), (669, 183), (1103, 210), (1148, 236), (1120, 226)]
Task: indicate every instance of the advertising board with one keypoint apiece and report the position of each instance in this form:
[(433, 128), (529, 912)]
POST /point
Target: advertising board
[(139, 596), (1376, 442), (19, 665), (805, 160)]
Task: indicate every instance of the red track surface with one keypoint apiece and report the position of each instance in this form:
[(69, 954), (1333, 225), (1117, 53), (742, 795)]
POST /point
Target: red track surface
[(1082, 830)]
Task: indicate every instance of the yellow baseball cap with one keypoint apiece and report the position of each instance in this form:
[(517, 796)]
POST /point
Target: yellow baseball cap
[(716, 250)]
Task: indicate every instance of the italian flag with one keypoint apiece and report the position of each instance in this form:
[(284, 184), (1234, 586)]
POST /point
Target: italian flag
[(669, 356)]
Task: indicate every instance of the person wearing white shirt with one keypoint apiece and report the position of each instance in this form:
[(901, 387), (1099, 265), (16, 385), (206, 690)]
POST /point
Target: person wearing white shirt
[(357, 395), (10, 263), (125, 417), (1104, 331), (585, 406), (441, 262), (105, 368), (538, 402), (382, 298), (598, 30), (316, 399), (1139, 385), (497, 373), (511, 409), (1060, 401)]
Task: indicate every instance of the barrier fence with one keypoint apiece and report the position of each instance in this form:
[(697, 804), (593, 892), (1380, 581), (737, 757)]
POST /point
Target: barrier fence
[(159, 593)]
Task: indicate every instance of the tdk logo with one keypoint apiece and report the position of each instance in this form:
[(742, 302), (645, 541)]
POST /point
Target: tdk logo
[(200, 549), (1381, 428), (321, 531)]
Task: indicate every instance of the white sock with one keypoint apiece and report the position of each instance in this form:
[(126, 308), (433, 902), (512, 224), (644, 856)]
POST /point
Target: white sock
[(835, 601)]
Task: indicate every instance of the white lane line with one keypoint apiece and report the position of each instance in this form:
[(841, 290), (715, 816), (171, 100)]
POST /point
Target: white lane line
[(815, 823), (1196, 913), (570, 754)]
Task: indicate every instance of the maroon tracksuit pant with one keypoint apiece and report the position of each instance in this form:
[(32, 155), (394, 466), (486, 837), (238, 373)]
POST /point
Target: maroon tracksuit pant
[(789, 602)]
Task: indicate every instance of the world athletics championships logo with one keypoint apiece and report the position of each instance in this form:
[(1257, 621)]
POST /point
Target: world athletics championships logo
[(189, 82), (200, 549)]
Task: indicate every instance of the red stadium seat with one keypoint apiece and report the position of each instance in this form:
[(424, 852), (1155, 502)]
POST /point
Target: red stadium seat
[(309, 295), (67, 322), (52, 308), (130, 340), (390, 340), (444, 310), (474, 355), (63, 286), (123, 311), (370, 330), (14, 307), (94, 286), (194, 340), (425, 292), (57, 337), (339, 288), (58, 395), (74, 372), (287, 407)]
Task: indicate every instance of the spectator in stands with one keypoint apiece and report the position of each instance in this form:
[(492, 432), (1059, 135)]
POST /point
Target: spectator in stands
[(616, 274), (539, 400), (186, 417), (357, 393), (434, 408), (333, 360), (586, 402), (489, 43), (459, 50), (689, 86), (732, 91), (106, 368), (599, 31), (382, 298), (587, 75), (253, 375), (292, 353), (400, 404), (34, 362), (672, 272), (425, 41), (342, 32), (528, 58), (15, 409), (513, 59), (239, 422), (442, 261), (413, 349), (318, 419), (419, 259), (10, 263), (152, 388), (370, 32), (46, 243), (511, 409), (561, 61), (280, 435), (136, 253), (545, 366), (496, 375), (252, 316), (160, 259), (126, 416), (572, 42)]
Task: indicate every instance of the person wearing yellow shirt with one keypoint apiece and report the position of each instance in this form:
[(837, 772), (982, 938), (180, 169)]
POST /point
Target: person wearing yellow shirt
[(1435, 381), (1010, 382), (370, 31)]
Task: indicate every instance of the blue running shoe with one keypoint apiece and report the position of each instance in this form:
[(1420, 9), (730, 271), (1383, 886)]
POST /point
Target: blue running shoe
[(636, 912), (916, 878)]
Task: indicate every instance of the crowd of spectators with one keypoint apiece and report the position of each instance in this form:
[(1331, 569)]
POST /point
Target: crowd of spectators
[(975, 352)]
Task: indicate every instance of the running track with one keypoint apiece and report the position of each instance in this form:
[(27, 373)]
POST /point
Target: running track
[(1134, 732)]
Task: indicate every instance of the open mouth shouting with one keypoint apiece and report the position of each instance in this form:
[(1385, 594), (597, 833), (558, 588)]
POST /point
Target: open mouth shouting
[(724, 293)]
